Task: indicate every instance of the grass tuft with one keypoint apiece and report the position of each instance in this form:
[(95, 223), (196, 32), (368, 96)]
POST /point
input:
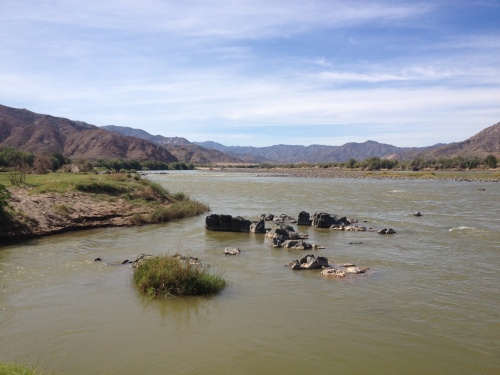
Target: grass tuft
[(167, 275), (16, 369)]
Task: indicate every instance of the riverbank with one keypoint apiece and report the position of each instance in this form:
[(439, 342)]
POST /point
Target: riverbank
[(61, 202), (449, 175)]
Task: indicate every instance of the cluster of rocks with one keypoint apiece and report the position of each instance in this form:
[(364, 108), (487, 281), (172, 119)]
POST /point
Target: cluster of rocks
[(283, 235), (278, 218), (227, 223), (321, 220), (310, 262)]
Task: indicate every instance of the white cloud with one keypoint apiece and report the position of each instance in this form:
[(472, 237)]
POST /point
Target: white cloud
[(187, 68)]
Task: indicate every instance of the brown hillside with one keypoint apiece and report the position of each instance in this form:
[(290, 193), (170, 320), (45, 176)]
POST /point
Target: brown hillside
[(484, 143), (37, 133)]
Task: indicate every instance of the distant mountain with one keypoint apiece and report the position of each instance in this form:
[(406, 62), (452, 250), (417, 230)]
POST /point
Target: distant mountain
[(484, 143), (316, 153), (38, 133), (181, 148)]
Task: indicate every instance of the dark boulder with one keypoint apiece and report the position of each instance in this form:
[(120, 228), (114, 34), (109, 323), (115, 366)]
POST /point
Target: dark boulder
[(227, 223), (304, 219), (310, 262), (325, 220)]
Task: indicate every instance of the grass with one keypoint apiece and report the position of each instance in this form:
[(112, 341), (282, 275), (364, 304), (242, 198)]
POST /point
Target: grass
[(167, 275), (16, 369), (177, 210)]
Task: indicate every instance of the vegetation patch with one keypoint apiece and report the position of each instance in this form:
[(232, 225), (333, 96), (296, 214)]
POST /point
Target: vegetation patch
[(101, 187), (15, 369), (178, 210), (167, 275)]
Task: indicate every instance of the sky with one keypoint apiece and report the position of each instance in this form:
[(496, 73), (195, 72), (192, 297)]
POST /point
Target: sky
[(259, 72)]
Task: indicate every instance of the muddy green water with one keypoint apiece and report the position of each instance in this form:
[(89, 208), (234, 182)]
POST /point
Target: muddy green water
[(429, 304)]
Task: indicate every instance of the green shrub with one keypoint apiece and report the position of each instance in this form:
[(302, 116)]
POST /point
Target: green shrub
[(491, 161), (173, 276)]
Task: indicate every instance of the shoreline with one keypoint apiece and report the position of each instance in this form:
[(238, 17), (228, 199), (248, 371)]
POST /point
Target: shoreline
[(444, 175)]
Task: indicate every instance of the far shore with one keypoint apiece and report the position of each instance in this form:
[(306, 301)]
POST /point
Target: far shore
[(476, 175)]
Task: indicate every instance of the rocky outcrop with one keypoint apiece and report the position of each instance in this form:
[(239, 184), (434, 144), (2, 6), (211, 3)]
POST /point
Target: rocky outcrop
[(325, 220), (283, 232), (227, 223), (309, 262)]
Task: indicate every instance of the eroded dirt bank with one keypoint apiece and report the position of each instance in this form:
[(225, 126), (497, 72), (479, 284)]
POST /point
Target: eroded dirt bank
[(51, 213)]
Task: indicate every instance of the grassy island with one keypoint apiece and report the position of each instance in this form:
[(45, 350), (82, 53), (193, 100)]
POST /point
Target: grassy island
[(53, 203), (162, 276)]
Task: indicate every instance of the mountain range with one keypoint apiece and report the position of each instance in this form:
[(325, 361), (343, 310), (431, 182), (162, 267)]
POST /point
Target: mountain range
[(38, 133)]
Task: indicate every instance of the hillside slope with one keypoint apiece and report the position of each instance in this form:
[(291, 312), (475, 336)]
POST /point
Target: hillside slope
[(38, 133), (181, 148), (482, 144)]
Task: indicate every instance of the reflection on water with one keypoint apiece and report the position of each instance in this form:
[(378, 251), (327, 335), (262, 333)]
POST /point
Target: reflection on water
[(429, 303), (185, 313)]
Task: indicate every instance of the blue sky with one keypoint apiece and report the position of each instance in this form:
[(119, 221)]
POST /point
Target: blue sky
[(259, 73)]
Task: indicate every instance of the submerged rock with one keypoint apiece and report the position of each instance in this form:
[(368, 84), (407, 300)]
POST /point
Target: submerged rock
[(343, 270), (231, 251), (297, 244), (386, 231)]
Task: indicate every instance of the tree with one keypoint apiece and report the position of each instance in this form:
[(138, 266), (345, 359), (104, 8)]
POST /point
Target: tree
[(491, 161)]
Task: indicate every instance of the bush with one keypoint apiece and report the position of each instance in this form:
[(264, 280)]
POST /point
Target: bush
[(174, 276), (4, 196), (491, 161)]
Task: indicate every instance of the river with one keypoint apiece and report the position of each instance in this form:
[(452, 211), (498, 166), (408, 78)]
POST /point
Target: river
[(430, 302)]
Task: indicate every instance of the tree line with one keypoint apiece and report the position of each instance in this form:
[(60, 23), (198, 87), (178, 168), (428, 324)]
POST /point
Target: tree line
[(13, 159), (376, 163)]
